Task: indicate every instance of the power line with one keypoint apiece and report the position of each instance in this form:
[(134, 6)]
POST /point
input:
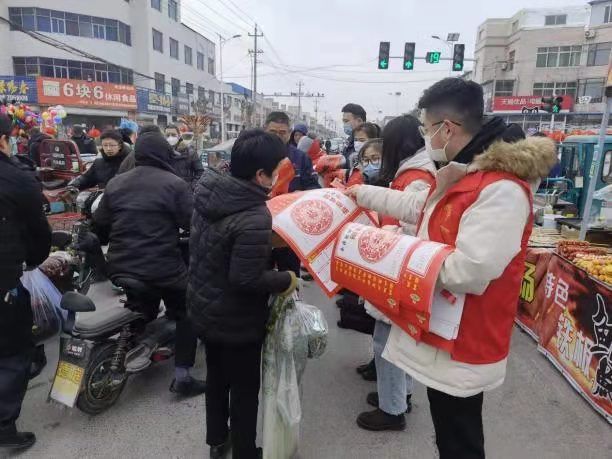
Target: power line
[(201, 2), (213, 27), (237, 14), (242, 11)]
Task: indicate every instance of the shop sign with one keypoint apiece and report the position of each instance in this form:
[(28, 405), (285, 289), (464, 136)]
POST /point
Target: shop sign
[(576, 331), (181, 104), (150, 101), (527, 104), (79, 93), (18, 89)]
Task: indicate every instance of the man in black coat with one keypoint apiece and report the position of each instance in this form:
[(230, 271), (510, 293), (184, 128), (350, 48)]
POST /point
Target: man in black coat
[(25, 236), (229, 285), (146, 208), (277, 123), (85, 144), (113, 152), (186, 161)]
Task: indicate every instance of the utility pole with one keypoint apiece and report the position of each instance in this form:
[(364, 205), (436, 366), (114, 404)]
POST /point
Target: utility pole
[(255, 52), (299, 94)]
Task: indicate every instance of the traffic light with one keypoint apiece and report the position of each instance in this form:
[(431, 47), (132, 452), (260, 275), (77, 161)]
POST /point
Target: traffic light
[(408, 56), (383, 55), (458, 52), (433, 57), (552, 104)]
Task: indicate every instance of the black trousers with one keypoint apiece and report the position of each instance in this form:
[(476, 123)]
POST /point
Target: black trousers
[(286, 260), (174, 296), (14, 377), (233, 381), (458, 424)]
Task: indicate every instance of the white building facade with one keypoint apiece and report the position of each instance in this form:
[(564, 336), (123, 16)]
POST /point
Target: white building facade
[(543, 52), (158, 67)]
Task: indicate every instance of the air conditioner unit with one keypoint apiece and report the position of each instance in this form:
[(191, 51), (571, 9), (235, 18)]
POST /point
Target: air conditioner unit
[(589, 34), (504, 66)]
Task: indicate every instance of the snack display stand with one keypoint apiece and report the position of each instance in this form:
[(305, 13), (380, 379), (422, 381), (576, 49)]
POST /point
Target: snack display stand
[(566, 306)]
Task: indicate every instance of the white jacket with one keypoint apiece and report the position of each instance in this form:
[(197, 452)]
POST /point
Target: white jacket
[(420, 161), (490, 234)]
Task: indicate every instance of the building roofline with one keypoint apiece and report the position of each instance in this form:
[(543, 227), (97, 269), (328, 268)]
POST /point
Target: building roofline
[(197, 33)]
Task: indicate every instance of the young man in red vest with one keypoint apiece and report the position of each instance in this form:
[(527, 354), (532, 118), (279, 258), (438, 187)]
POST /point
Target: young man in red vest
[(481, 204)]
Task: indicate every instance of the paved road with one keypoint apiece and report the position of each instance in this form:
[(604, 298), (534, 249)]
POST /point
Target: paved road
[(536, 414)]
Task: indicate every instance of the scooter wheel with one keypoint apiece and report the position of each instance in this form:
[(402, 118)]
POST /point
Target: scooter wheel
[(101, 389)]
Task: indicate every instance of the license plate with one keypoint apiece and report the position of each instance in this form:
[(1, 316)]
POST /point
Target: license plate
[(75, 348), (67, 383)]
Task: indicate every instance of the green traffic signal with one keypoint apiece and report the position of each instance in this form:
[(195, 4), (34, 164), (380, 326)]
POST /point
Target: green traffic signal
[(555, 109), (383, 64), (408, 65), (458, 66)]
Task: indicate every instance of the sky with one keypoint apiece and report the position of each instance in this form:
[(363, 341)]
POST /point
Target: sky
[(332, 45)]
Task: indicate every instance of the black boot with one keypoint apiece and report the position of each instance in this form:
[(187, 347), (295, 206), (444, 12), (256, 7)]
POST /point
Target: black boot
[(220, 451), (372, 399), (379, 420), (370, 374), (361, 369), (11, 439), (188, 388)]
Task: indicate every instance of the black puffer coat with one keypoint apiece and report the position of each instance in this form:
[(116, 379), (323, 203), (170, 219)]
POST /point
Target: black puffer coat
[(229, 283), (145, 208), (187, 164), (102, 170), (25, 236)]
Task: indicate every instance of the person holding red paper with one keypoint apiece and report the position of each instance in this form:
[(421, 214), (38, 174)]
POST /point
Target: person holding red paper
[(481, 204), (405, 166)]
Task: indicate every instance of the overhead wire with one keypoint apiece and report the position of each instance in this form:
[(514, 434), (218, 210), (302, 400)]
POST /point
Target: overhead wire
[(220, 15), (205, 22), (236, 14)]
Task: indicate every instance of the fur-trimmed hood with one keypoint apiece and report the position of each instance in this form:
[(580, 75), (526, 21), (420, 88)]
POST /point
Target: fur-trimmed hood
[(530, 159)]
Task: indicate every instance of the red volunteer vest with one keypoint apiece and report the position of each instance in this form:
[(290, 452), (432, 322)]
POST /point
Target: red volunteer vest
[(401, 182), (488, 319)]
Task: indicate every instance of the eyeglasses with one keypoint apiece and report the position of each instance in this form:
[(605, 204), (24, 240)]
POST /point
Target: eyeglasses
[(423, 130), (110, 145), (368, 161)]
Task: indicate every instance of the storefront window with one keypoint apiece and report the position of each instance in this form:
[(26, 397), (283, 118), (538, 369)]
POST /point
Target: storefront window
[(599, 54), (593, 88)]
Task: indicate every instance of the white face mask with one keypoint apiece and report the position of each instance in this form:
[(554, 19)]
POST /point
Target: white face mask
[(436, 154), (358, 146), (172, 140)]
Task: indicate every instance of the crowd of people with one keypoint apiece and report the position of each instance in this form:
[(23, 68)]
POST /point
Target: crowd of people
[(452, 176)]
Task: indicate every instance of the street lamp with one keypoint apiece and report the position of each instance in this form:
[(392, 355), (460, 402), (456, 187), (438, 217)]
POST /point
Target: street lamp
[(223, 41)]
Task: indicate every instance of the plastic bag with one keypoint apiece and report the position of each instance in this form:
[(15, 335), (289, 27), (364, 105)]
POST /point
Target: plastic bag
[(295, 332), (45, 301)]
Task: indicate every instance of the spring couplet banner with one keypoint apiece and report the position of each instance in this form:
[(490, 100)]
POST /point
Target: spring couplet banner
[(397, 273), (309, 222), (576, 331)]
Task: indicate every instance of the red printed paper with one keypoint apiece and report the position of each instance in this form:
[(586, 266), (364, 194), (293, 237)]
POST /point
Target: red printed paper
[(397, 273), (309, 222)]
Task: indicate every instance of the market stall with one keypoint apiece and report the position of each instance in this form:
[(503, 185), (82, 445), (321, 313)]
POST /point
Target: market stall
[(566, 306)]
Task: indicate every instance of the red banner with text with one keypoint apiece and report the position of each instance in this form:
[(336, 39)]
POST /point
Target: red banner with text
[(576, 331)]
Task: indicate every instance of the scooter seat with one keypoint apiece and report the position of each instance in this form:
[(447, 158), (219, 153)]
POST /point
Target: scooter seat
[(103, 322), (54, 184)]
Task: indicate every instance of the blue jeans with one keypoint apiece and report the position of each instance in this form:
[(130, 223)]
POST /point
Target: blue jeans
[(393, 384)]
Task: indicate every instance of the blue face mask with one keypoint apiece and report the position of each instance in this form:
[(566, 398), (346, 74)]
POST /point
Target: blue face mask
[(371, 171), (348, 129)]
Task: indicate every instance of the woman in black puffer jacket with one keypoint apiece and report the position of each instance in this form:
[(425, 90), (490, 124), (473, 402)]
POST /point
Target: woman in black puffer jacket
[(113, 152)]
